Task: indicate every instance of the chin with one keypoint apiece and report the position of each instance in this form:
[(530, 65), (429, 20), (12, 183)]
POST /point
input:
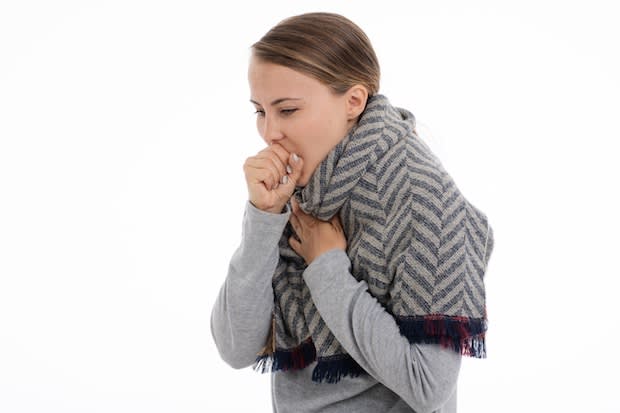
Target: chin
[(303, 181)]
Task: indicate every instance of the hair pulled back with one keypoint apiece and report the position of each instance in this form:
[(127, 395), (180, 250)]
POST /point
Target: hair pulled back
[(325, 46)]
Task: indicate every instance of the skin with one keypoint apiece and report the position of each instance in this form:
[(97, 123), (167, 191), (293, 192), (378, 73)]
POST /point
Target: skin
[(301, 120), (315, 237)]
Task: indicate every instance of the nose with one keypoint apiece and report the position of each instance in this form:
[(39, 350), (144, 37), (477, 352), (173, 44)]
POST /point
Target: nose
[(271, 130)]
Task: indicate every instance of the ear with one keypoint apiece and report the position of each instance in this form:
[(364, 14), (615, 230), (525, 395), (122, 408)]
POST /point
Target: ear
[(356, 98)]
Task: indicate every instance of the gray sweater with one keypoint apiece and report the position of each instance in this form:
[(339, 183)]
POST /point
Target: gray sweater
[(402, 377)]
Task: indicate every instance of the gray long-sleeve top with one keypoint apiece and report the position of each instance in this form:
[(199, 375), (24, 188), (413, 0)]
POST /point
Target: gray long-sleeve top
[(402, 377)]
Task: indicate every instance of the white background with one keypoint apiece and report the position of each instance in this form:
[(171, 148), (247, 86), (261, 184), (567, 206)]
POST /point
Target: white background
[(123, 129)]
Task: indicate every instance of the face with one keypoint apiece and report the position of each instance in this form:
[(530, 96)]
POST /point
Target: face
[(298, 112)]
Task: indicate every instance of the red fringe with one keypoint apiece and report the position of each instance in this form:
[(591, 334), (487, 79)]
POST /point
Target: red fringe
[(461, 334)]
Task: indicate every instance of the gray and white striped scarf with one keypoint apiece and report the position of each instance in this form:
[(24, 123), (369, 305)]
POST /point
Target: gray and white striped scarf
[(421, 247)]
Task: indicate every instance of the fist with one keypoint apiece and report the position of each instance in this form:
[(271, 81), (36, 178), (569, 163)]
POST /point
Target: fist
[(271, 176)]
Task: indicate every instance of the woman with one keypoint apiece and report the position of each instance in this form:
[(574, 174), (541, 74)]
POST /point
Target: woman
[(359, 278)]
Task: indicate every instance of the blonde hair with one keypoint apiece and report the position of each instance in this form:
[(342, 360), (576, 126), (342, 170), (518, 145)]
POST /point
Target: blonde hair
[(325, 46)]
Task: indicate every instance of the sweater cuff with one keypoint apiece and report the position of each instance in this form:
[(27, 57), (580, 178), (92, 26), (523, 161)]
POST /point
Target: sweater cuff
[(257, 222), (326, 268)]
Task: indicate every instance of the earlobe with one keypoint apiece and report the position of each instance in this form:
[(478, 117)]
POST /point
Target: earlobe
[(356, 101)]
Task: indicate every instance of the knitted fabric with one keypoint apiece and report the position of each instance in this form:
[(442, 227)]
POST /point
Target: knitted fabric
[(420, 246)]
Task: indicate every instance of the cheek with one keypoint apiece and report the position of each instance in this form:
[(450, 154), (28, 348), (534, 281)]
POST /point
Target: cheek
[(318, 126), (259, 127), (308, 138), (313, 144), (325, 134)]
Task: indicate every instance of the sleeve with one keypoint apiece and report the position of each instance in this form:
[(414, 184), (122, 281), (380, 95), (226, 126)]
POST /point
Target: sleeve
[(241, 315), (423, 375)]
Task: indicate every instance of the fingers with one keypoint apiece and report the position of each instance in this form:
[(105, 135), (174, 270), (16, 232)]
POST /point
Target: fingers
[(294, 205), (280, 157), (289, 181), (271, 176), (276, 157), (313, 237), (335, 221), (280, 152), (303, 219), (266, 166), (296, 245), (295, 164), (275, 166), (297, 226), (262, 169)]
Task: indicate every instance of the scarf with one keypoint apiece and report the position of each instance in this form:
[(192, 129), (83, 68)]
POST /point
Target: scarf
[(420, 246)]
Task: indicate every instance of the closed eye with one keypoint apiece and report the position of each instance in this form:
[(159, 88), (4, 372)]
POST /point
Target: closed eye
[(287, 112)]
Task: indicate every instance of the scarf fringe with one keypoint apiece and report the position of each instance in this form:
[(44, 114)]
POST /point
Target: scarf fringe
[(461, 334), (329, 369), (293, 359), (464, 335), (332, 369)]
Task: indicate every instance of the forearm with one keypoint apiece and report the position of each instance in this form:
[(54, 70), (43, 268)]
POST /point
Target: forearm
[(241, 315), (424, 376)]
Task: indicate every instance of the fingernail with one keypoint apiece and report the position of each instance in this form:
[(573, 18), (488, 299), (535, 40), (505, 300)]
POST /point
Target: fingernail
[(295, 157), (284, 180), (289, 169)]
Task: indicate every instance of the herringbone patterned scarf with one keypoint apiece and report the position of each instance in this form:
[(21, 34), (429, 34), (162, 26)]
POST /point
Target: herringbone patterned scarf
[(421, 247)]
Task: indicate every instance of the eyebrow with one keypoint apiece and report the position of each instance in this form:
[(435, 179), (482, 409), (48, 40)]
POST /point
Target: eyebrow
[(275, 102)]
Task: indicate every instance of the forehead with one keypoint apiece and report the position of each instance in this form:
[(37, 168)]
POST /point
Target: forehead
[(269, 81)]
